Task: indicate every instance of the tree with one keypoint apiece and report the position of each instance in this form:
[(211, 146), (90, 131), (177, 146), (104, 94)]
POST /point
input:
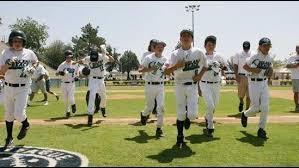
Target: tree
[(115, 55), (53, 55), (129, 62), (87, 40), (36, 33)]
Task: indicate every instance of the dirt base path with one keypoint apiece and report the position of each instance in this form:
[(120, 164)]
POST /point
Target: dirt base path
[(168, 120)]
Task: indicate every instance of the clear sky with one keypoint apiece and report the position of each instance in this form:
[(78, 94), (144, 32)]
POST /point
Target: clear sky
[(131, 24)]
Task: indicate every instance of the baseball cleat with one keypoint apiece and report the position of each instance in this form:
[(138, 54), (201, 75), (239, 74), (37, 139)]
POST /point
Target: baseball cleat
[(243, 120), (89, 122), (67, 115), (103, 112), (23, 132), (143, 119), (206, 123), (180, 141), (262, 133), (8, 143), (159, 133), (46, 103), (241, 107), (209, 132), (187, 123), (74, 109), (97, 110)]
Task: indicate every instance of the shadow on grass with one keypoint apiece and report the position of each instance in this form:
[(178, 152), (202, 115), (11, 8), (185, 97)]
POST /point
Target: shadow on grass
[(138, 123), (143, 137), (238, 115), (167, 155), (251, 139), (292, 111), (64, 118), (198, 139), (79, 126)]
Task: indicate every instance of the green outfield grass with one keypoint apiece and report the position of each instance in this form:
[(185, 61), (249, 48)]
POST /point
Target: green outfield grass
[(125, 145), (131, 107)]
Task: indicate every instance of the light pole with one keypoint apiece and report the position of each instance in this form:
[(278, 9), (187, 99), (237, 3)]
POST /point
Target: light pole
[(192, 9)]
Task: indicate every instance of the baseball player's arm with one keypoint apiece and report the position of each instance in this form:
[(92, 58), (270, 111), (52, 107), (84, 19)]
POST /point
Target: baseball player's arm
[(199, 76), (145, 69), (253, 70), (110, 58), (172, 68)]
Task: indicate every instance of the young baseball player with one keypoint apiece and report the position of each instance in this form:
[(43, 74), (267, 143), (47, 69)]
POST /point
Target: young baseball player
[(96, 82), (211, 81), (153, 67), (241, 75), (188, 65), (150, 50), (293, 65), (48, 84), (16, 65), (68, 71), (38, 83), (260, 67)]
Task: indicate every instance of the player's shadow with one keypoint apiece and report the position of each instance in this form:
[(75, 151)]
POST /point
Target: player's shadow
[(143, 137), (167, 155), (292, 111), (64, 118), (138, 123), (238, 115), (79, 126), (251, 139), (200, 138)]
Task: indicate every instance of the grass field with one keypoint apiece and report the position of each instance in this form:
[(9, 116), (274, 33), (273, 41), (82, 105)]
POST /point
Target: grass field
[(131, 145)]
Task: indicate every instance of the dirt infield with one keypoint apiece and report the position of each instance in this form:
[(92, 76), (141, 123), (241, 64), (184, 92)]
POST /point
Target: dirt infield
[(167, 121)]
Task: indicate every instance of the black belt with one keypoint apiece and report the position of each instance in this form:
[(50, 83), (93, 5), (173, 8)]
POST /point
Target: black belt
[(189, 83), (154, 83), (69, 82), (14, 84), (96, 77), (209, 82), (242, 74), (258, 79)]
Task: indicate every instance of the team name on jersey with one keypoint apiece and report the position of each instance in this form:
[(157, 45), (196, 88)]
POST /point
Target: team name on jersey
[(18, 64), (262, 64), (98, 64), (191, 65), (157, 65)]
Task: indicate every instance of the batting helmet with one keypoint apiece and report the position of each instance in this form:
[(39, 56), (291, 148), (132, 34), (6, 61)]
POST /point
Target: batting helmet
[(17, 34), (85, 71), (94, 55), (68, 53)]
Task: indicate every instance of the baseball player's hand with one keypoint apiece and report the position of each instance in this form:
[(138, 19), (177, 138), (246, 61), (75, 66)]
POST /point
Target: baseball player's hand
[(256, 70), (238, 78), (196, 78), (61, 73), (180, 64)]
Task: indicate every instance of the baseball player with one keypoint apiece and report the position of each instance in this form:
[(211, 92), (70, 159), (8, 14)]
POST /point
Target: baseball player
[(260, 67), (96, 82), (241, 74), (16, 65), (293, 65), (150, 50), (211, 81), (153, 67), (188, 65), (48, 84), (38, 82), (68, 71)]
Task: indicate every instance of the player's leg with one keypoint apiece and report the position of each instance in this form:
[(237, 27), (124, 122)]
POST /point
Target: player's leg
[(97, 103), (247, 94), (20, 110), (241, 92), (295, 83), (65, 91), (48, 89), (9, 115), (254, 94), (87, 97), (102, 94), (42, 86), (181, 103), (264, 110), (192, 104), (150, 95), (72, 97), (207, 93), (92, 93), (34, 89), (155, 108), (160, 110)]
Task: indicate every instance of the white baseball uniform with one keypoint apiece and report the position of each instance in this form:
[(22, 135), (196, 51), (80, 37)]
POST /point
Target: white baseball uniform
[(36, 85), (1, 91), (17, 82), (144, 55), (68, 82), (294, 73), (210, 85), (258, 87), (154, 86), (186, 90), (96, 82)]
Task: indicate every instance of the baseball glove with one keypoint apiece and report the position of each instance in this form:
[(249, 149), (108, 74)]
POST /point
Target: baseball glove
[(86, 71)]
